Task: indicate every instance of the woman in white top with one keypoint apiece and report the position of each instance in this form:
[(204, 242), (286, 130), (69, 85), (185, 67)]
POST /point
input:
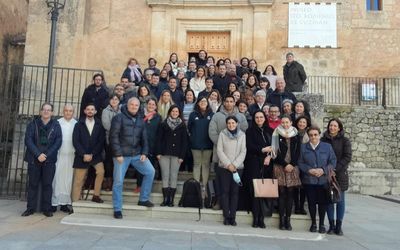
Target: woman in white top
[(198, 83)]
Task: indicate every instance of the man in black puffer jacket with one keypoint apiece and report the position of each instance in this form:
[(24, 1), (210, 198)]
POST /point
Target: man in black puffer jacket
[(294, 74), (130, 147)]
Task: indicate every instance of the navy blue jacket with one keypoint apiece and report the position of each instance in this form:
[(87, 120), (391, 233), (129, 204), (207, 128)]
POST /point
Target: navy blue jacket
[(85, 143), (198, 130), (100, 99), (128, 135), (172, 142), (54, 136), (127, 74), (322, 157), (277, 98), (178, 98)]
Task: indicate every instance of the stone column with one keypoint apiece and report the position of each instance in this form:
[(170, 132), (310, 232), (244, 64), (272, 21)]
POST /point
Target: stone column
[(317, 108), (158, 25), (261, 20)]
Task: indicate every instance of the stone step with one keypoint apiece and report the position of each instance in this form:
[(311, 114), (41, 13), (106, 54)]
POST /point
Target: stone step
[(131, 197), (299, 222), (131, 184)]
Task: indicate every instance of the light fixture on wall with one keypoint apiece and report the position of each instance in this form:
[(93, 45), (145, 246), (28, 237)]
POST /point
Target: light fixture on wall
[(55, 6)]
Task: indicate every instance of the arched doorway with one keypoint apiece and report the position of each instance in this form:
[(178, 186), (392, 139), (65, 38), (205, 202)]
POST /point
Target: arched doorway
[(217, 44)]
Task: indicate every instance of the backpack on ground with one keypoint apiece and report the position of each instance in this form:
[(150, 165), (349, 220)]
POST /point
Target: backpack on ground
[(211, 198), (191, 195)]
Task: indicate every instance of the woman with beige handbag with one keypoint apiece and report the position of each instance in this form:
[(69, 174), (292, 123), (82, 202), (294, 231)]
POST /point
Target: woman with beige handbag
[(257, 163), (286, 150)]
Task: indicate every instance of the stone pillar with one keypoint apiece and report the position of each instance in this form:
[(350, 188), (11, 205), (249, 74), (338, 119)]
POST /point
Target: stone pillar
[(158, 25), (317, 109), (261, 20)]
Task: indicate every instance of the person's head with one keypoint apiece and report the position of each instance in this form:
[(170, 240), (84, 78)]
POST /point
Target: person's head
[(148, 73), (114, 101), (237, 95), (286, 122), (264, 83), (184, 83), (172, 83), (202, 105), (280, 84), (259, 118), (202, 54), (90, 110), (192, 66), (287, 106), (270, 70), (192, 59), (119, 90), (231, 69), (68, 112), (211, 69), (132, 62), (244, 62), (227, 62), (273, 112), (301, 107), (314, 133), (252, 81), (165, 96), (189, 96), (173, 58), (174, 112), (220, 62), (209, 83), (334, 126), (124, 81), (249, 98), (252, 64), (289, 57), (245, 75), (242, 106), (265, 109), (143, 90), (133, 105), (232, 87), (98, 79), (260, 97), (222, 70), (164, 74), (181, 64), (46, 111), (167, 67), (180, 75), (210, 60), (152, 62), (231, 122), (229, 103), (302, 123), (214, 96), (200, 72), (151, 105), (155, 79)]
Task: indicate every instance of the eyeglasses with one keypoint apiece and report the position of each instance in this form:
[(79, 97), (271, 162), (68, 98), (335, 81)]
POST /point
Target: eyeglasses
[(311, 135)]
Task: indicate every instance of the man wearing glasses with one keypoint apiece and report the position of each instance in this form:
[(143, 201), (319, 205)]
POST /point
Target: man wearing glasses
[(43, 138)]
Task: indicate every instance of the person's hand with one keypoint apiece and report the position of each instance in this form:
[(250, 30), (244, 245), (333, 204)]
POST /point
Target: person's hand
[(158, 157), (289, 168), (319, 172), (312, 172), (180, 160), (231, 168), (266, 149), (143, 158), (42, 157), (87, 157), (267, 160), (120, 159)]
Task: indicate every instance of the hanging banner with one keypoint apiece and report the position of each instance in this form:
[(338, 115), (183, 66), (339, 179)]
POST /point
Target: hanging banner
[(312, 25)]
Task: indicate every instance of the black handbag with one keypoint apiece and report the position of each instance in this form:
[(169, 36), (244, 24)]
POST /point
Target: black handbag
[(334, 191)]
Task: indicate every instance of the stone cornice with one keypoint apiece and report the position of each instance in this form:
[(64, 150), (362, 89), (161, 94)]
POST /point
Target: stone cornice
[(208, 3)]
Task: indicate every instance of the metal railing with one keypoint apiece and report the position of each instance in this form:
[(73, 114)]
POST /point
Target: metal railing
[(356, 90), (23, 89)]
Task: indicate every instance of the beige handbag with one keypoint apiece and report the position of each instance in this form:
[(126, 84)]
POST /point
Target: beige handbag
[(265, 188)]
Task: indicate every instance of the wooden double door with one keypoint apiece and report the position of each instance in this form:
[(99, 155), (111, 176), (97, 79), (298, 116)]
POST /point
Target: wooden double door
[(217, 44)]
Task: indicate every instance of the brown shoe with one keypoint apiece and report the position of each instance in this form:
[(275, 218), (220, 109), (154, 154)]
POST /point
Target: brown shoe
[(97, 199)]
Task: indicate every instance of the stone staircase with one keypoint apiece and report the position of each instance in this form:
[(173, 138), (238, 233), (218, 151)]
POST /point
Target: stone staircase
[(131, 209)]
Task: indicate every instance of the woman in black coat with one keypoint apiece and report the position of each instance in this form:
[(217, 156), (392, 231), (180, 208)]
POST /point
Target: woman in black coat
[(256, 165), (341, 145)]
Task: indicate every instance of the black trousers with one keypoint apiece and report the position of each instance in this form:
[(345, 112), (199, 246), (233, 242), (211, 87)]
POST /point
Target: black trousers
[(317, 195), (108, 162), (43, 174), (299, 196), (229, 192), (285, 201)]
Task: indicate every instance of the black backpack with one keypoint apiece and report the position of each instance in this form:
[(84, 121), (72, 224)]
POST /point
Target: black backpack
[(211, 198), (191, 195)]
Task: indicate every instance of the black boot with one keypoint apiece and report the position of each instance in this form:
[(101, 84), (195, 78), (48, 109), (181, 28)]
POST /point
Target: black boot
[(261, 223), (288, 226), (332, 227), (171, 197), (338, 230), (282, 222), (165, 193), (255, 221)]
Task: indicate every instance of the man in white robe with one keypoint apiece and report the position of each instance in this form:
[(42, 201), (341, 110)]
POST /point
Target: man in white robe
[(62, 182)]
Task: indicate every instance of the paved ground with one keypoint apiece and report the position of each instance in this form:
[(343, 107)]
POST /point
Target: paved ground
[(370, 224)]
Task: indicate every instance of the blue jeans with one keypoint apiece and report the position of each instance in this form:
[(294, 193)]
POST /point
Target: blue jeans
[(340, 208), (145, 168)]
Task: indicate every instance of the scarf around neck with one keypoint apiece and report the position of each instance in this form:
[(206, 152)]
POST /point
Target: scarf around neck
[(173, 123), (285, 133), (135, 74)]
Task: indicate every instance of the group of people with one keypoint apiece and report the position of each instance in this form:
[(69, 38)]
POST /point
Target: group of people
[(211, 114)]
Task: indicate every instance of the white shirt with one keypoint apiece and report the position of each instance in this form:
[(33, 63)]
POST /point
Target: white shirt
[(89, 125), (314, 146)]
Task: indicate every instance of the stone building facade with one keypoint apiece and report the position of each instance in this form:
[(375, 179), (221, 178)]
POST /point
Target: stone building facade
[(102, 34)]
